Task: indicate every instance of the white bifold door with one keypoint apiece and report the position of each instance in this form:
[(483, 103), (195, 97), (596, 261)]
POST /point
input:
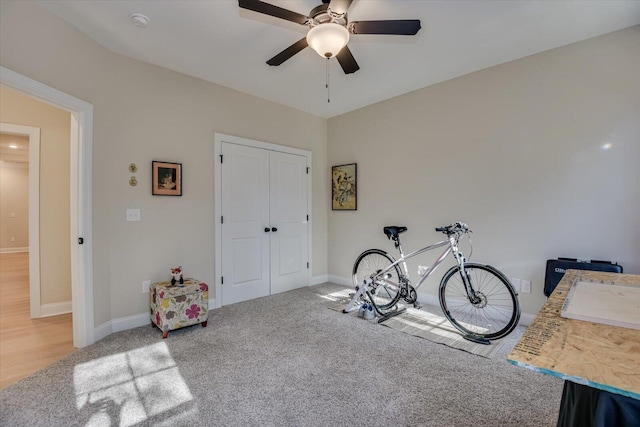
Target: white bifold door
[(264, 222)]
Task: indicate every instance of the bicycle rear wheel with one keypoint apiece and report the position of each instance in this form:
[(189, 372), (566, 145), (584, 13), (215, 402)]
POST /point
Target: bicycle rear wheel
[(367, 265), (493, 314)]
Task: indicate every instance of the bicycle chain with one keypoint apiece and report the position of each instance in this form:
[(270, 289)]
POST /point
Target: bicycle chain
[(409, 294)]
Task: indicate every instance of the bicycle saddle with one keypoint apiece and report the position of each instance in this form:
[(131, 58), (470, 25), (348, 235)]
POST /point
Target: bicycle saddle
[(392, 231)]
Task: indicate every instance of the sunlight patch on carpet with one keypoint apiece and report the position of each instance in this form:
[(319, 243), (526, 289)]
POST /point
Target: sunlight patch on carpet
[(423, 324), (128, 388)]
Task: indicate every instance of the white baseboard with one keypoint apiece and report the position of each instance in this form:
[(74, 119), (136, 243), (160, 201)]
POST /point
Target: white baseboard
[(102, 331), (54, 309), (13, 250), (129, 322), (317, 280), (340, 280), (120, 324), (430, 299)]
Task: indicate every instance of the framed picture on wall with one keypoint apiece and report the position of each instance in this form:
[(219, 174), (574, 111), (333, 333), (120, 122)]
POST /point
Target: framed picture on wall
[(344, 188), (166, 179)]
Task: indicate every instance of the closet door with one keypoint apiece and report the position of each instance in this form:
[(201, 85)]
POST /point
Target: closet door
[(288, 215), (245, 215), (264, 231)]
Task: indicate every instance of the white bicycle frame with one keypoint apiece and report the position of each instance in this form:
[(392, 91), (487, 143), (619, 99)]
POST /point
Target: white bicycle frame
[(452, 241)]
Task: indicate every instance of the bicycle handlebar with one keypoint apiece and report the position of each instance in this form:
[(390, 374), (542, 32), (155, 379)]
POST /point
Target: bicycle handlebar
[(455, 228)]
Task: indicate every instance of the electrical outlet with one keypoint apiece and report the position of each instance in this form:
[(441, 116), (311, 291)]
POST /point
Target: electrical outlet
[(525, 286), (516, 284), (13, 238), (145, 286)]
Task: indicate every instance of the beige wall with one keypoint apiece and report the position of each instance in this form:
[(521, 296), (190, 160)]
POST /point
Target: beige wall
[(14, 199), (514, 150), (55, 125), (517, 151), (144, 113)]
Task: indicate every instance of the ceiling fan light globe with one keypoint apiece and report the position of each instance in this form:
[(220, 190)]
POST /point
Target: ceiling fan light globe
[(328, 39)]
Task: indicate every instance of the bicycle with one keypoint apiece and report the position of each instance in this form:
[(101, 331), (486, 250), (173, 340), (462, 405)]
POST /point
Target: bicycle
[(476, 298)]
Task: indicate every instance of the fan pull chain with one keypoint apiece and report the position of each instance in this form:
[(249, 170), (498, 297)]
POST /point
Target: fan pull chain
[(327, 83)]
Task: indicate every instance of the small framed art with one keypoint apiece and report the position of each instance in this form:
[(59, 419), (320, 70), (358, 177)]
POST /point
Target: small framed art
[(344, 194), (166, 179)]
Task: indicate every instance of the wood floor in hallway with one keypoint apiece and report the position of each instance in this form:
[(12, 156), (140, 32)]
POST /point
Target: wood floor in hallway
[(26, 345)]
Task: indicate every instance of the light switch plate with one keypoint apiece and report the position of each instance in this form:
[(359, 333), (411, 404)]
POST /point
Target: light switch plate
[(133, 214)]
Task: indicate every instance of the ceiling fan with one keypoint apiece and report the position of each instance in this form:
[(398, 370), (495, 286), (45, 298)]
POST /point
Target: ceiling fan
[(330, 29)]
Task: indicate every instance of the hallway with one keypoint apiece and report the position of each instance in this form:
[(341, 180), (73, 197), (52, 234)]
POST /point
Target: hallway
[(26, 345)]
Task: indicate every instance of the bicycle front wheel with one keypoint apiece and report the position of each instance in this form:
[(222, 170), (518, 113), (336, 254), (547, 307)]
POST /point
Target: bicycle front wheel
[(495, 310), (368, 265)]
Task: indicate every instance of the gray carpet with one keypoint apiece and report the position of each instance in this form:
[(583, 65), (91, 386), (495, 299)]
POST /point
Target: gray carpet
[(283, 360)]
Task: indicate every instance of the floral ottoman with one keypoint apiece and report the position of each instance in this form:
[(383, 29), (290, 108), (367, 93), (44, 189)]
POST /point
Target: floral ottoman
[(176, 306)]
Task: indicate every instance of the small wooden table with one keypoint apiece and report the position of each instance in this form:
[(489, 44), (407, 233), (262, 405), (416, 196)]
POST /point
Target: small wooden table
[(599, 356)]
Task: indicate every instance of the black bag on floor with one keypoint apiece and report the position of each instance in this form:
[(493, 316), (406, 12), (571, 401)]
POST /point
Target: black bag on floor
[(557, 267)]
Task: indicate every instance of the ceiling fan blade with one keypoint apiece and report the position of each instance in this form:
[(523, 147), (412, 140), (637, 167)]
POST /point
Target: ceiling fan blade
[(269, 9), (403, 27), (288, 52), (347, 61), (340, 6)]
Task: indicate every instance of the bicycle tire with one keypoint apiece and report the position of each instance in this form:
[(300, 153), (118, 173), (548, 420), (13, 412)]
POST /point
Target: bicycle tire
[(494, 316), (368, 264)]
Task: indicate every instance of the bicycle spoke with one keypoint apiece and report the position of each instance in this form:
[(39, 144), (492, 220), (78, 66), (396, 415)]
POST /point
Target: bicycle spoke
[(493, 313), (369, 264)]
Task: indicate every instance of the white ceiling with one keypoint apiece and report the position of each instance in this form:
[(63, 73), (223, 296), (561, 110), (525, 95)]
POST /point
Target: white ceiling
[(217, 41), (17, 155)]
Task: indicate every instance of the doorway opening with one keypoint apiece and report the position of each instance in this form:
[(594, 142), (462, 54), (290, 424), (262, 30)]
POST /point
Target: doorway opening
[(27, 156), (80, 196)]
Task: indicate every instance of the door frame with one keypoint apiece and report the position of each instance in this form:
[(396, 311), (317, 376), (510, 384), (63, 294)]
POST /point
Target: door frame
[(33, 133), (80, 200), (219, 139)]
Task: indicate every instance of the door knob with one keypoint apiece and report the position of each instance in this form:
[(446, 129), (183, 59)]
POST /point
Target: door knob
[(274, 229), (267, 229)]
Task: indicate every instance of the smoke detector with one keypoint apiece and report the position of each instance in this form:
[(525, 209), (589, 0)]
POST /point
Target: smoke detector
[(139, 20)]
